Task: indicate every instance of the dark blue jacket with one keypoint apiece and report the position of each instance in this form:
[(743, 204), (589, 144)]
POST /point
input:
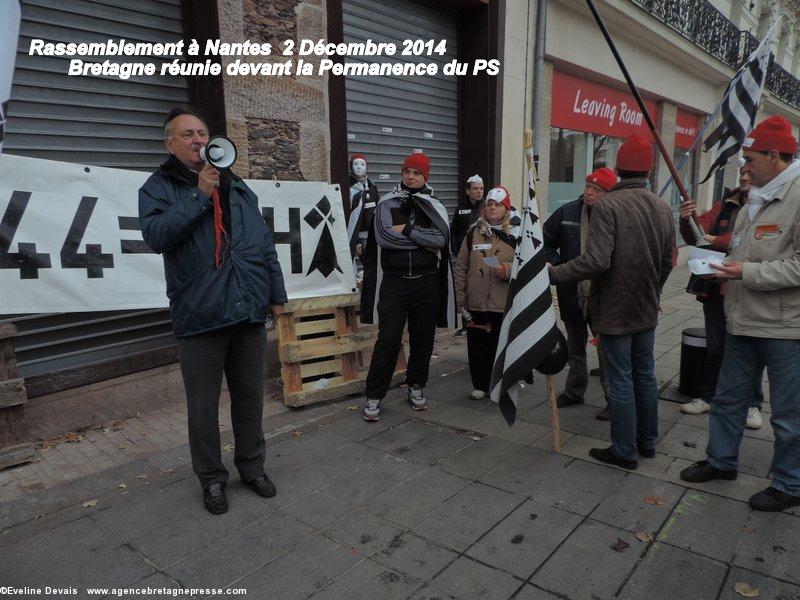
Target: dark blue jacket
[(177, 221), (562, 243)]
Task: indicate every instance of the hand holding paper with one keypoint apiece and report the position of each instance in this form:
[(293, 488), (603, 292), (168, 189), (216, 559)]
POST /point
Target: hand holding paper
[(700, 260)]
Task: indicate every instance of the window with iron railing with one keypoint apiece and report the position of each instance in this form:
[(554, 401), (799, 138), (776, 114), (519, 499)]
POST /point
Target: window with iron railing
[(704, 25)]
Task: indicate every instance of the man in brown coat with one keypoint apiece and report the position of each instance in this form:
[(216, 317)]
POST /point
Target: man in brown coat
[(628, 257)]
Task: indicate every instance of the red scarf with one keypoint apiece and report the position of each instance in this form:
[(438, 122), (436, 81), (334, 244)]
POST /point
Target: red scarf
[(220, 235)]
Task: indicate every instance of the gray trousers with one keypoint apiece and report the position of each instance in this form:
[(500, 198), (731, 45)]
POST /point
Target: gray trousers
[(578, 374), (238, 351)]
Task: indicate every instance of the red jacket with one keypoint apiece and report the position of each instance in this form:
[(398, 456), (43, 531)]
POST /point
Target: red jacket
[(718, 221)]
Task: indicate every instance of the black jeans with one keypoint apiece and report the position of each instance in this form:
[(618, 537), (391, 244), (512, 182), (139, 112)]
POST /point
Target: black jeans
[(482, 346), (238, 351), (400, 300)]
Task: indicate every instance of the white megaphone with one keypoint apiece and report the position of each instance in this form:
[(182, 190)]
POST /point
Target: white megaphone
[(220, 152)]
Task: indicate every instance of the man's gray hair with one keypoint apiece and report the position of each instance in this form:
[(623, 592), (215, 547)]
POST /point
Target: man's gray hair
[(184, 109)]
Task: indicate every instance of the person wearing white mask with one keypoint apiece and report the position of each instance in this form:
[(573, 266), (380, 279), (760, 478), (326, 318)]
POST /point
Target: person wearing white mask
[(363, 196), (762, 309)]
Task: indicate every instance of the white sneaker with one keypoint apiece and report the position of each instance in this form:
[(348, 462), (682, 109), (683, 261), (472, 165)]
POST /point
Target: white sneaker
[(372, 409), (417, 398), (695, 407), (477, 394), (754, 418)]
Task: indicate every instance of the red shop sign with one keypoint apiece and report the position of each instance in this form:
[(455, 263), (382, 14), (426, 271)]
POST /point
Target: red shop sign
[(687, 125), (583, 105)]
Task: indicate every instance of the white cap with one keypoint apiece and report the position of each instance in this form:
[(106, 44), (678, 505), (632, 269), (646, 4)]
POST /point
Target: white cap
[(475, 179)]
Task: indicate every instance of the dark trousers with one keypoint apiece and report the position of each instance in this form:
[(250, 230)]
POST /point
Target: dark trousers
[(578, 374), (482, 346), (400, 300), (238, 351), (714, 313)]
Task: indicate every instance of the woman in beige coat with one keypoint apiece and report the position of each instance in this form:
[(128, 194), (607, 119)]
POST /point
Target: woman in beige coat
[(480, 277)]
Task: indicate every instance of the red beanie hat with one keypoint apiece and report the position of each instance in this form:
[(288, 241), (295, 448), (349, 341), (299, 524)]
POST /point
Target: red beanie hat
[(635, 155), (603, 178), (500, 195), (774, 133), (420, 162), (358, 155)]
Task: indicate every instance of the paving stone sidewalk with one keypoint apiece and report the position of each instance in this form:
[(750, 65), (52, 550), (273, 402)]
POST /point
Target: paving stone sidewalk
[(448, 504)]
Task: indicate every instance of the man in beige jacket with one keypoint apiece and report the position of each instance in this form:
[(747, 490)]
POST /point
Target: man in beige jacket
[(762, 308)]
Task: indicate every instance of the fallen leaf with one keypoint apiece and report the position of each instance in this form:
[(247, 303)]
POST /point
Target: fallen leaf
[(297, 433), (227, 447), (746, 590), (620, 545), (143, 476), (644, 536), (747, 529), (122, 486), (475, 437), (90, 503), (353, 407), (654, 500)]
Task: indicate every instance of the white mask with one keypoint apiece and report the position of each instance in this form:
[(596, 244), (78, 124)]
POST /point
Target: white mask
[(359, 168)]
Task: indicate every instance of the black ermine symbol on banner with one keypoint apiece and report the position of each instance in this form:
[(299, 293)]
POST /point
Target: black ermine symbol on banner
[(27, 260), (325, 259), (93, 260), (293, 237)]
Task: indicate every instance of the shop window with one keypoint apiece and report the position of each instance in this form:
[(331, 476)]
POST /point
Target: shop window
[(688, 179)]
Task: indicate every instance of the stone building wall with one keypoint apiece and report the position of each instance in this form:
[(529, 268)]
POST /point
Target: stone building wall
[(279, 124)]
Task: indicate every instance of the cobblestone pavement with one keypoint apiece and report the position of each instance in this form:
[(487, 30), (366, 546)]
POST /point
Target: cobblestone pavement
[(448, 503)]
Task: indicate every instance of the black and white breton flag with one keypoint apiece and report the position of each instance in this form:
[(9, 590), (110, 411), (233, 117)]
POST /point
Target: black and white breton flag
[(740, 104), (529, 332)]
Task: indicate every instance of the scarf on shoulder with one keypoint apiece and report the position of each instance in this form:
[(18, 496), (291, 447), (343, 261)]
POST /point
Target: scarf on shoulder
[(759, 196)]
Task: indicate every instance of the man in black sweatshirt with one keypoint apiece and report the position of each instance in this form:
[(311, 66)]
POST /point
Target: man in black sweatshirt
[(407, 268)]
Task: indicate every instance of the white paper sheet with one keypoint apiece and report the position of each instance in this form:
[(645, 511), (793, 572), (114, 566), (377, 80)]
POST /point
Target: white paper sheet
[(701, 258)]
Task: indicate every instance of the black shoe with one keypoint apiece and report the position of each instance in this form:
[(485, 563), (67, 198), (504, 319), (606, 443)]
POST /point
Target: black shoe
[(215, 500), (563, 400), (594, 372), (647, 452), (604, 415), (607, 456), (703, 471), (263, 486), (773, 500)]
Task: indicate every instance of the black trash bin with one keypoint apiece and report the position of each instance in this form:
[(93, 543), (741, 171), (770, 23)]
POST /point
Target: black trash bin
[(693, 358)]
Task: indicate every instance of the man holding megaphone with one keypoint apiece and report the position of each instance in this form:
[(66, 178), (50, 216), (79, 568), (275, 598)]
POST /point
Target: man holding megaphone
[(223, 280)]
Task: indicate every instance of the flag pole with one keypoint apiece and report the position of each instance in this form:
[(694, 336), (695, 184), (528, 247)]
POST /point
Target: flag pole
[(551, 380), (698, 138), (656, 136)]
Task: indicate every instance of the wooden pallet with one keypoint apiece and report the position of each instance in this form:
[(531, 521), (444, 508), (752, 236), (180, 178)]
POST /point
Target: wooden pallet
[(14, 446), (324, 352)]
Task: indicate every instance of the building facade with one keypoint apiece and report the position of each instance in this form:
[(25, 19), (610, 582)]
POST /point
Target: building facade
[(98, 366)]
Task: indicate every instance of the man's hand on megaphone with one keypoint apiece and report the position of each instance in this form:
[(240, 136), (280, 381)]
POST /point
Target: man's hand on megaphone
[(208, 179)]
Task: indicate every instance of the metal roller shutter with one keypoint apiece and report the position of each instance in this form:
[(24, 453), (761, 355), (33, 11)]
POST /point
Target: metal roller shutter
[(96, 121), (391, 117)]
